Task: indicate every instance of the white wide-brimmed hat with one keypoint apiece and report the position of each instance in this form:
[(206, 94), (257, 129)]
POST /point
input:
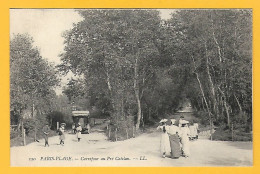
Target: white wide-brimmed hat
[(163, 121), (173, 121), (184, 122)]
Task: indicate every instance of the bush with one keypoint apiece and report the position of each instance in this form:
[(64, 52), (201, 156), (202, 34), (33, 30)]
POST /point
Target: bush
[(29, 125), (202, 118), (122, 130), (222, 135), (17, 140), (14, 134), (239, 134)]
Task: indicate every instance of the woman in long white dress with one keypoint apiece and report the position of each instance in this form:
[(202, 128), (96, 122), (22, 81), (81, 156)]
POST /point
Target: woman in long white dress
[(185, 133), (79, 129), (165, 142), (61, 133), (193, 131)]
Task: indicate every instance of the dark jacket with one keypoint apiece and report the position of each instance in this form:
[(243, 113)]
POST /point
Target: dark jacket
[(46, 129)]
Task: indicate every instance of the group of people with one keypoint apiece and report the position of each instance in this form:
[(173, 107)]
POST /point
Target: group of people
[(61, 133), (176, 136)]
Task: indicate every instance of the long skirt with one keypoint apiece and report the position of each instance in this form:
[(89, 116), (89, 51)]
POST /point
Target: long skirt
[(78, 134), (165, 144), (193, 132), (185, 146), (175, 146)]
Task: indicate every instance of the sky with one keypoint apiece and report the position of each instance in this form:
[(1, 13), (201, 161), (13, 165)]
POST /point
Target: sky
[(46, 26)]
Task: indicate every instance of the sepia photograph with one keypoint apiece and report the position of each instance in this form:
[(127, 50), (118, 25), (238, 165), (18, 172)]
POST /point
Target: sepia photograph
[(131, 87)]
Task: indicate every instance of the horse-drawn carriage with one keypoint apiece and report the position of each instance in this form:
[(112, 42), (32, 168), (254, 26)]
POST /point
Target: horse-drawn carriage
[(81, 118)]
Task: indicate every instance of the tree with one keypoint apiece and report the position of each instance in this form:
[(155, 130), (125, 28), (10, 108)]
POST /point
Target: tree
[(115, 51), (217, 47), (32, 78), (133, 63)]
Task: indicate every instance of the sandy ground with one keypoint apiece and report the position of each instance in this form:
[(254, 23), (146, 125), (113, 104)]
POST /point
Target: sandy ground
[(95, 150)]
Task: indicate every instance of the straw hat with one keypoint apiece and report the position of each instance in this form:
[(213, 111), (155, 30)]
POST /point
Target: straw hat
[(173, 121), (163, 121), (184, 122)]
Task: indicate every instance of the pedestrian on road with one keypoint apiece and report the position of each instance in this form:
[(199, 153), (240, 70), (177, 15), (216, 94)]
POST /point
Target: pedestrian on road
[(174, 140), (181, 120), (46, 131), (193, 131), (73, 128), (88, 128), (185, 133), (165, 142), (197, 129), (61, 133), (79, 129)]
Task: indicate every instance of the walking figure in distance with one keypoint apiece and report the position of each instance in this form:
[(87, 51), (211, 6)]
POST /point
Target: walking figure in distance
[(61, 133), (46, 131), (79, 129)]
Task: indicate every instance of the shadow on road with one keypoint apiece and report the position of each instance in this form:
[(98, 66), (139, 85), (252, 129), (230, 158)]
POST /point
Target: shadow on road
[(228, 162), (240, 145)]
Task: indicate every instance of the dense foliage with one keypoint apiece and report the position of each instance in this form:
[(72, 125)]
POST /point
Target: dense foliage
[(32, 82), (134, 64), (135, 68), (217, 49)]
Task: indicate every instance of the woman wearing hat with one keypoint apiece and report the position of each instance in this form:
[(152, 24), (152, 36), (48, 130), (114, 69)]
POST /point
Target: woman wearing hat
[(185, 133), (61, 133), (165, 142), (174, 139), (79, 129), (181, 119), (193, 131)]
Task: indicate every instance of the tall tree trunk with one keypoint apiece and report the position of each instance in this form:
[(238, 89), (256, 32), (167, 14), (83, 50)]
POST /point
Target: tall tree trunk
[(20, 119), (201, 89), (203, 95), (202, 103), (105, 70), (137, 96), (226, 107), (216, 42), (212, 88), (149, 113), (23, 134), (227, 112), (122, 107), (238, 103), (110, 89), (35, 122)]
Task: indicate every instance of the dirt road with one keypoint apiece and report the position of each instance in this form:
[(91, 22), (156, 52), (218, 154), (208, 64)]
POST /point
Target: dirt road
[(95, 150)]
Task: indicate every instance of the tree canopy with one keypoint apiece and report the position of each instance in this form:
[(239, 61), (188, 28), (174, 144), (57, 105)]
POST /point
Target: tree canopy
[(134, 64), (32, 79)]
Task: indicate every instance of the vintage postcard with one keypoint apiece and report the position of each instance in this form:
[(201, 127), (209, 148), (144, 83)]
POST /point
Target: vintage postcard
[(129, 86)]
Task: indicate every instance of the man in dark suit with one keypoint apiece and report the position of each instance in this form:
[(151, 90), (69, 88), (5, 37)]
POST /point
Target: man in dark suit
[(46, 131)]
